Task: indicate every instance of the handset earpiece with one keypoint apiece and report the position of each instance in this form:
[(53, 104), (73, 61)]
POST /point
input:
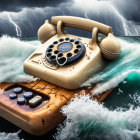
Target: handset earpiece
[(110, 47), (46, 31)]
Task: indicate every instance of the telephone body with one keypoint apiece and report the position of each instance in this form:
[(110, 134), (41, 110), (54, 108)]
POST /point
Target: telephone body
[(67, 60)]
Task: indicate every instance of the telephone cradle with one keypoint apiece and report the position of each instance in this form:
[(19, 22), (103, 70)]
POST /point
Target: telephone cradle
[(63, 62)]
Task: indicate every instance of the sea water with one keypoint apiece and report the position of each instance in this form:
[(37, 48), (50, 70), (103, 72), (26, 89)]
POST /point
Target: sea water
[(13, 52), (118, 117)]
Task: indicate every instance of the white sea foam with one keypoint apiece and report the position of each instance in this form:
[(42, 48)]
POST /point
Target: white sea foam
[(9, 136), (87, 119), (13, 52), (112, 83)]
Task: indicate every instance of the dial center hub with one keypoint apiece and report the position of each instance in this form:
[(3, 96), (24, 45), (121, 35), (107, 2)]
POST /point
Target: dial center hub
[(65, 47)]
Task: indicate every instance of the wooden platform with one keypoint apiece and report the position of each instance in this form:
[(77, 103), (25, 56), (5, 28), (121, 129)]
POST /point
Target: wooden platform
[(48, 116)]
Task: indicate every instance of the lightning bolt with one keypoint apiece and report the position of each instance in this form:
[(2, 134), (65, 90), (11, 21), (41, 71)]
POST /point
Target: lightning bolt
[(62, 11), (86, 15), (122, 19), (96, 6), (17, 28)]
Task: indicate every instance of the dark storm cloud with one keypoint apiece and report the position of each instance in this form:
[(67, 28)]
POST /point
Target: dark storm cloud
[(122, 15), (18, 5), (130, 9)]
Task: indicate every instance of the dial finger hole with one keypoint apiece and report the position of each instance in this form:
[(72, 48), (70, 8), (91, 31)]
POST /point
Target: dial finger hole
[(49, 50), (69, 54), (56, 51), (55, 42), (49, 54), (53, 57), (78, 46), (61, 39), (51, 46), (76, 42), (60, 55), (67, 38), (76, 51), (72, 40), (62, 60)]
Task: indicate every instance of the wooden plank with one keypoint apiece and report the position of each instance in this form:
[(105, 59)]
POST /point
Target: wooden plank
[(42, 119)]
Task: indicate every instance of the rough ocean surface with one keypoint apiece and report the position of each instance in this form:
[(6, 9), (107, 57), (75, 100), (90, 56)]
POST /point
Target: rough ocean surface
[(116, 71), (13, 52), (87, 119), (117, 118)]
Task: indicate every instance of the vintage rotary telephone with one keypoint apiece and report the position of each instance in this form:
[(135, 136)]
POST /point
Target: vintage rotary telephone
[(64, 60), (67, 60)]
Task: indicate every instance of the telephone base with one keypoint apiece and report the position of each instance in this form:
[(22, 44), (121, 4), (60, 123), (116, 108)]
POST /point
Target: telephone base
[(67, 76)]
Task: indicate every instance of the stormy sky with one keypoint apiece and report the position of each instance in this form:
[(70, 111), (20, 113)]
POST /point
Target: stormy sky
[(26, 16)]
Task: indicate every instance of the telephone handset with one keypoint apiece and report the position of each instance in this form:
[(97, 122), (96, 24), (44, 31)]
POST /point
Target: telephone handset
[(68, 60)]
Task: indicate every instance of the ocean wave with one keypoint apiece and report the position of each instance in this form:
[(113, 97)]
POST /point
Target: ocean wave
[(116, 71), (13, 52), (87, 119), (112, 83), (9, 136)]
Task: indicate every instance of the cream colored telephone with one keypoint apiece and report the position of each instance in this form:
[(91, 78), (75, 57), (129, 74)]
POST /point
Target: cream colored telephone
[(67, 60)]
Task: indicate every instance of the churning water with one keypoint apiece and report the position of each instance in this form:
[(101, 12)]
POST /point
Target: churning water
[(117, 118)]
